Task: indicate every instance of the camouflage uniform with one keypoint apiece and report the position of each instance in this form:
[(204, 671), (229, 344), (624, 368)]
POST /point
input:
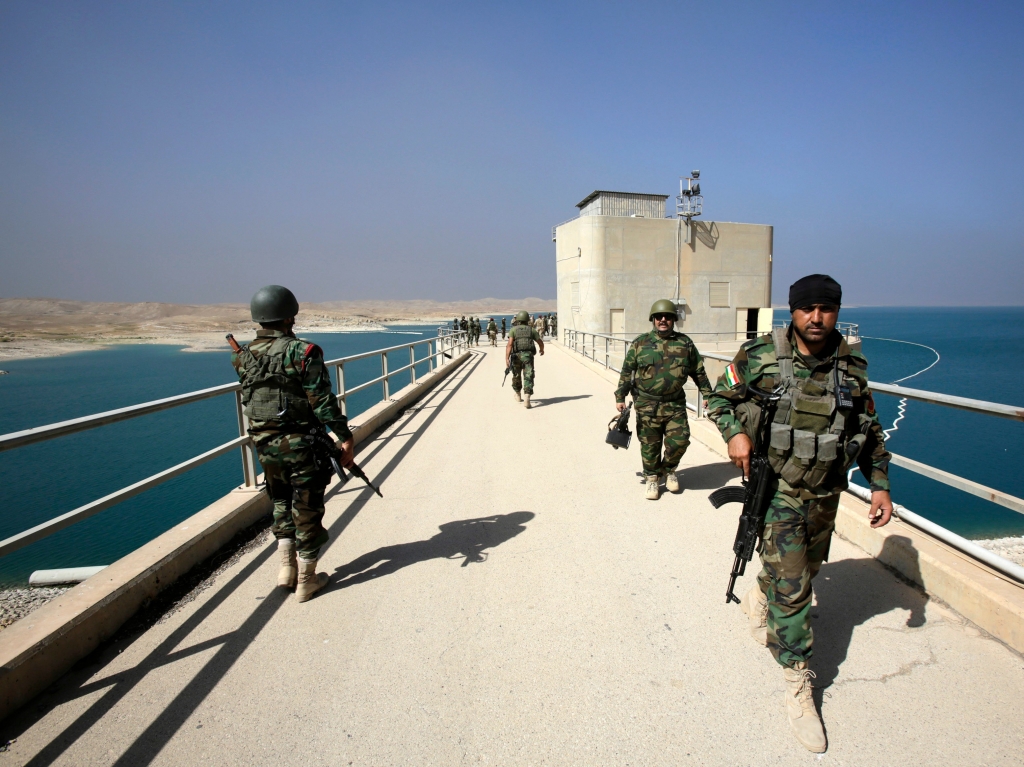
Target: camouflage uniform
[(502, 328), (492, 332), (293, 393), (658, 367), (801, 517), (554, 325), (522, 360)]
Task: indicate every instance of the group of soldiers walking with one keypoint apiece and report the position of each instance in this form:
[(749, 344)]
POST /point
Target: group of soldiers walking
[(824, 424), (473, 329)]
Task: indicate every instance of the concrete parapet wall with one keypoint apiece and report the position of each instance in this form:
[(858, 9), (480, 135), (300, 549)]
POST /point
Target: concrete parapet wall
[(978, 593), (40, 648)]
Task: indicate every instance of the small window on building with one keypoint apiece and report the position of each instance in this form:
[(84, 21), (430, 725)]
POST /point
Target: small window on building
[(719, 294), (575, 295)]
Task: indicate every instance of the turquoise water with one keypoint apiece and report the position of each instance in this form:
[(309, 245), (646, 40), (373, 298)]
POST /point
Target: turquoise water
[(41, 481), (981, 359)]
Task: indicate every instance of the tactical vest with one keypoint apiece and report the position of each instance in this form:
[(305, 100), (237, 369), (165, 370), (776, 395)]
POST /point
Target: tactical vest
[(522, 339), (809, 431), (269, 393)]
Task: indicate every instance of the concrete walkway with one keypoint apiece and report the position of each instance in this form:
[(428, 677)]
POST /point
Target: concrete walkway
[(514, 600)]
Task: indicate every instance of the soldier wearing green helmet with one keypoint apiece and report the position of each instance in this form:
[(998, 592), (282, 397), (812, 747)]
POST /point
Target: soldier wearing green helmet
[(519, 352), (286, 391), (655, 370)]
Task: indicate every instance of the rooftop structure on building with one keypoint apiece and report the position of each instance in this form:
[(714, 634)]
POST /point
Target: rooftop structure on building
[(604, 203)]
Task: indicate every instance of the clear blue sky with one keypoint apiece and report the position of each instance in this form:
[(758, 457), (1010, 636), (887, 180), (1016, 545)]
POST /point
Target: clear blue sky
[(194, 151)]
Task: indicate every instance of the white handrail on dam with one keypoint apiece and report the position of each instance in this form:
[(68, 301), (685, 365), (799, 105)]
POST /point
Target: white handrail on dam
[(439, 349), (576, 340)]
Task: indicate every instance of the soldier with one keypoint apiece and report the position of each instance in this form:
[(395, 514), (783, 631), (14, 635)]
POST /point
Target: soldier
[(464, 327), (824, 422), (519, 353), (455, 324), (492, 331), (502, 328), (656, 367), (554, 325), (474, 327), (538, 324), (287, 390), (547, 323)]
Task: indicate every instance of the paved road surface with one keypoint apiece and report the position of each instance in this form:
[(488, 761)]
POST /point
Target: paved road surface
[(514, 600)]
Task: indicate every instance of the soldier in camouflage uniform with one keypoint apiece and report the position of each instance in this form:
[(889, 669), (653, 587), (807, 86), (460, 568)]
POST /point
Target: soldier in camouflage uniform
[(502, 328), (554, 326), (476, 331), (492, 331), (824, 423), (519, 353), (655, 370), (286, 390)]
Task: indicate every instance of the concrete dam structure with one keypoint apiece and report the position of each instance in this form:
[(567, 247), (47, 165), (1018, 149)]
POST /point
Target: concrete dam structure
[(512, 599)]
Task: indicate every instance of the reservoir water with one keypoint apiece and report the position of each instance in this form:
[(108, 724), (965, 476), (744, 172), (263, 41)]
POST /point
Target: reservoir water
[(41, 481)]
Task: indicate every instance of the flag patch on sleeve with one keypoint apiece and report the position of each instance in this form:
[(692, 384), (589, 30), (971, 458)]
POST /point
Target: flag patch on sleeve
[(732, 376)]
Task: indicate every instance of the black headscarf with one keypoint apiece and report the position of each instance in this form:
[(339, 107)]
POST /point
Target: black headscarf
[(814, 289)]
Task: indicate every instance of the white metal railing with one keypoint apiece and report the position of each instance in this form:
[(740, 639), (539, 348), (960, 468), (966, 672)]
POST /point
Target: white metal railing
[(562, 224), (603, 344), (576, 340), (439, 349)]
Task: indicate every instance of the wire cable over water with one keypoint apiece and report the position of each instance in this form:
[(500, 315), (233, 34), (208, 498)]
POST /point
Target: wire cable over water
[(901, 408)]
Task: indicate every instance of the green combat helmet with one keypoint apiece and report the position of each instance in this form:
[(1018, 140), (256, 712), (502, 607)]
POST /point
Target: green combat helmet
[(273, 304), (663, 306), (522, 317)]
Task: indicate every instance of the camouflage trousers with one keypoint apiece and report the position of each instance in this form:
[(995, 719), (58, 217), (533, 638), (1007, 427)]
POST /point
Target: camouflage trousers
[(658, 424), (797, 534), (296, 487), (493, 335), (522, 372)]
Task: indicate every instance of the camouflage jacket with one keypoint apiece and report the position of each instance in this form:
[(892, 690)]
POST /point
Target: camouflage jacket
[(755, 364), (304, 362), (659, 367), (491, 327)]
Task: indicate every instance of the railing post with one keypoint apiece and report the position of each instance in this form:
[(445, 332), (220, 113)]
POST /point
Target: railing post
[(341, 388), (412, 363), (250, 471), (384, 373), (431, 351), (605, 353)]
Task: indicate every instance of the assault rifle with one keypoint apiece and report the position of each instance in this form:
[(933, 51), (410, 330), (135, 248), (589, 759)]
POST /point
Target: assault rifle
[(755, 493), (324, 445)]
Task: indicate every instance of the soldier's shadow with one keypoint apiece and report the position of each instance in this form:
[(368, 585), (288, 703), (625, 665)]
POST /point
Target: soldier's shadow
[(555, 400), (709, 476), (465, 539), (849, 593)]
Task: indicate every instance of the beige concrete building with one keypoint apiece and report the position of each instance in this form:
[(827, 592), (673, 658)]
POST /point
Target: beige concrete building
[(621, 254)]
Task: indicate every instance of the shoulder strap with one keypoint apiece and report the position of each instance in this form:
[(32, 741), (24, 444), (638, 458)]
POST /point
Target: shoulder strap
[(784, 354)]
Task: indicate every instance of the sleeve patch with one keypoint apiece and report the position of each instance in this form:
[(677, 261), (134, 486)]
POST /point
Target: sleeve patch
[(732, 376)]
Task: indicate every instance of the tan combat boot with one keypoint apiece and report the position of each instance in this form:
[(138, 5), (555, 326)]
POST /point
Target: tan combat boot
[(310, 581), (288, 573), (755, 605), (653, 489), (803, 716), (527, 402), (672, 482), (518, 398)]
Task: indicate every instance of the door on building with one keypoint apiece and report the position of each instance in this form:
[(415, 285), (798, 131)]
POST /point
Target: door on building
[(618, 322), (746, 323)]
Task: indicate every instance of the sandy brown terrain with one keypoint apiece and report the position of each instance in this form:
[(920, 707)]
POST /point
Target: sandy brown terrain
[(44, 327)]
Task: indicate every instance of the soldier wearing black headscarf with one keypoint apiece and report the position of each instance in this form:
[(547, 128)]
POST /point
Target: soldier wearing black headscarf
[(824, 423)]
